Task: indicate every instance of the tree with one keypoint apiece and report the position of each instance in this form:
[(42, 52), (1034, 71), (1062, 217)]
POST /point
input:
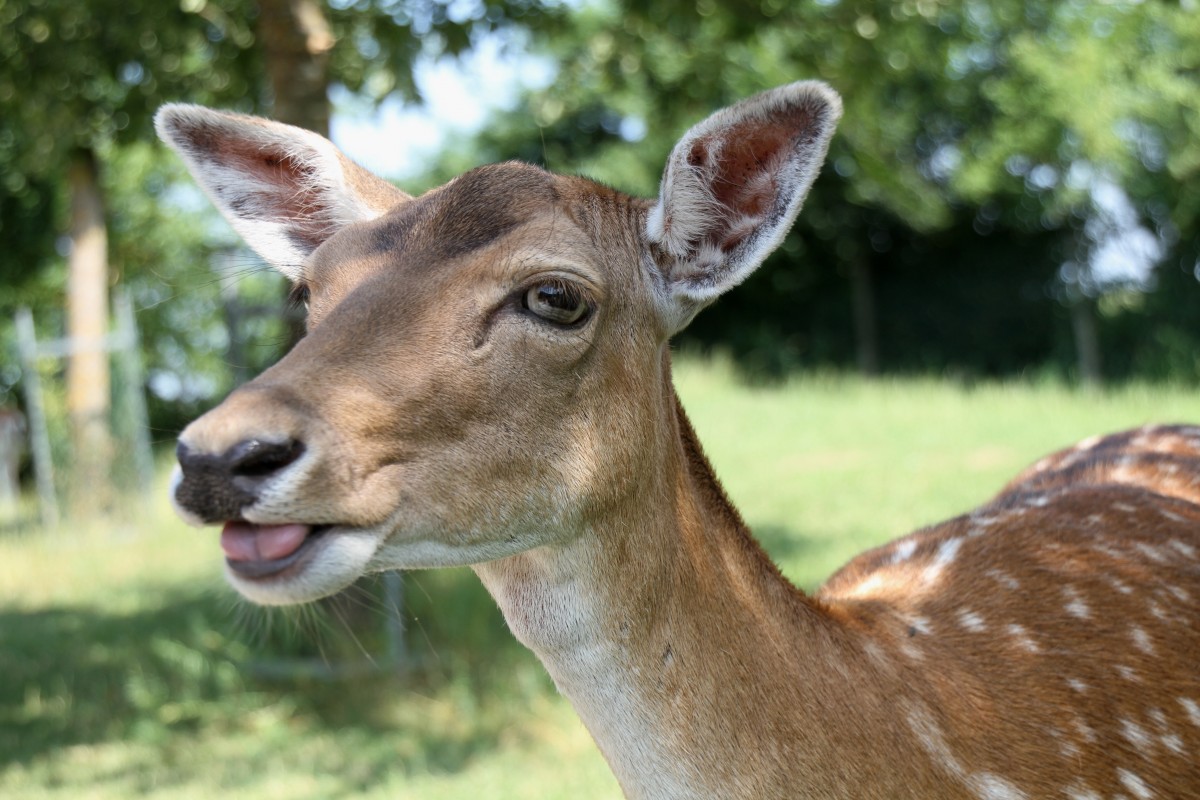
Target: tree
[(108, 65), (971, 129), (104, 63)]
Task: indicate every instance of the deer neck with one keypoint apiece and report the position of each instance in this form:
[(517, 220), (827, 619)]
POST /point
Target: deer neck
[(652, 624)]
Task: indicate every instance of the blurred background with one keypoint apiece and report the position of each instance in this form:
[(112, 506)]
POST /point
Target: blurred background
[(1000, 256)]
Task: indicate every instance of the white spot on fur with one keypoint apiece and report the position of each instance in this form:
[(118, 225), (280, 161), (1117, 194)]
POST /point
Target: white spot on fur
[(1128, 673), (869, 586), (1077, 685), (1169, 738), (1024, 640), (904, 551), (930, 737), (1109, 551), (1171, 515), (1183, 547), (971, 621), (1192, 708), (876, 653), (1125, 507), (1151, 552), (1076, 606), (1121, 586), (921, 624), (946, 553), (1141, 639), (1135, 784), (1004, 579), (1136, 735), (1068, 748), (1079, 791), (988, 786)]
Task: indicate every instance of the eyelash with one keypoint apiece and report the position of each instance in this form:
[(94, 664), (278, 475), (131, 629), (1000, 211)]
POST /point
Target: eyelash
[(298, 296)]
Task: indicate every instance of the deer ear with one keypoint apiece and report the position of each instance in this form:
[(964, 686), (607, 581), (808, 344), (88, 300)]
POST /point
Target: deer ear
[(732, 188), (285, 190)]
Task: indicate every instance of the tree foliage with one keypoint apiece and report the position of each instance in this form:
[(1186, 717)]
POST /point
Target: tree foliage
[(89, 76), (960, 201), (976, 141)]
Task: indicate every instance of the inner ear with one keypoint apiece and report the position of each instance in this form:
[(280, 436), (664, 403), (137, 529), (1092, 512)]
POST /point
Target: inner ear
[(284, 189), (287, 188), (742, 168), (731, 189)]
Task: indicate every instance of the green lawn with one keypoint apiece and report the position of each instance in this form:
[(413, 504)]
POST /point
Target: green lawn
[(122, 655)]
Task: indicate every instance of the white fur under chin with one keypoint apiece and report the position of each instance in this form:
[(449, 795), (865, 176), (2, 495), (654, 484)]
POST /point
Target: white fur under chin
[(558, 616)]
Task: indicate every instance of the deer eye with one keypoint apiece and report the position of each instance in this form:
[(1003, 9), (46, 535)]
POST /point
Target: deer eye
[(558, 302)]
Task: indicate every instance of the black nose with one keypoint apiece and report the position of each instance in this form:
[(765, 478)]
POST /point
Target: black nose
[(216, 487), (255, 458)]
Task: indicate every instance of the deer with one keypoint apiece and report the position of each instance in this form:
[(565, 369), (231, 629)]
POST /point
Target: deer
[(486, 381)]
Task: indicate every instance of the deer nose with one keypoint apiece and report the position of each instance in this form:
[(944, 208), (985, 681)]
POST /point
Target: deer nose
[(217, 486), (255, 458)]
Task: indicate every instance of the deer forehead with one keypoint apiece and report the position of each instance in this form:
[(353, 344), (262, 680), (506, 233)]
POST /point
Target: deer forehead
[(483, 232)]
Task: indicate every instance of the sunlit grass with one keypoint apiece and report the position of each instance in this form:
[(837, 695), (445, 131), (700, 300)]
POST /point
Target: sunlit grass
[(825, 466), (123, 657)]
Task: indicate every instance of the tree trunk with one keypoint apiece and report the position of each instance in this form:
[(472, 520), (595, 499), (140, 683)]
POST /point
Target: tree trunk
[(866, 326), (296, 41), (88, 389), (1087, 342)]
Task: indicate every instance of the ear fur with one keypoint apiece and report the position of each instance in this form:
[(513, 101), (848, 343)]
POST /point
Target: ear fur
[(285, 190), (732, 188)]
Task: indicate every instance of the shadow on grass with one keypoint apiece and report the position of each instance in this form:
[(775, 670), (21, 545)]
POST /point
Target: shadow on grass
[(175, 679), (785, 544), (806, 559), (75, 675)]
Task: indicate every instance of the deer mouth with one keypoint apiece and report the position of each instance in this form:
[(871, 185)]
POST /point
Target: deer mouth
[(264, 551)]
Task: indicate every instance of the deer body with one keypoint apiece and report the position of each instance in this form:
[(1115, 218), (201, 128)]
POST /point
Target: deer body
[(486, 381)]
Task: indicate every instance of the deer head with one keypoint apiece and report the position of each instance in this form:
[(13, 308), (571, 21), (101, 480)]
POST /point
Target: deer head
[(484, 370)]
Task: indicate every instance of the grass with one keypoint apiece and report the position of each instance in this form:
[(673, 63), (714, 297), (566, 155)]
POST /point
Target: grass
[(123, 657)]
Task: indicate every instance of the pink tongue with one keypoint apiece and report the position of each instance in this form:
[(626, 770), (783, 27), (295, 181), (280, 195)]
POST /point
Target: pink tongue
[(245, 541)]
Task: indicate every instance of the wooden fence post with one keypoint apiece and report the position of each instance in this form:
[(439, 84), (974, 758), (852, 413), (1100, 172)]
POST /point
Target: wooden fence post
[(128, 351), (39, 436)]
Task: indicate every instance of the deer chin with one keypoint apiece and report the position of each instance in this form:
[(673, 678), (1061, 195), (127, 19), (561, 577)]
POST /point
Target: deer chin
[(287, 564)]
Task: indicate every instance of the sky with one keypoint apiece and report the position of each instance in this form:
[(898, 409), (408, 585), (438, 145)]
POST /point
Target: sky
[(395, 138)]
